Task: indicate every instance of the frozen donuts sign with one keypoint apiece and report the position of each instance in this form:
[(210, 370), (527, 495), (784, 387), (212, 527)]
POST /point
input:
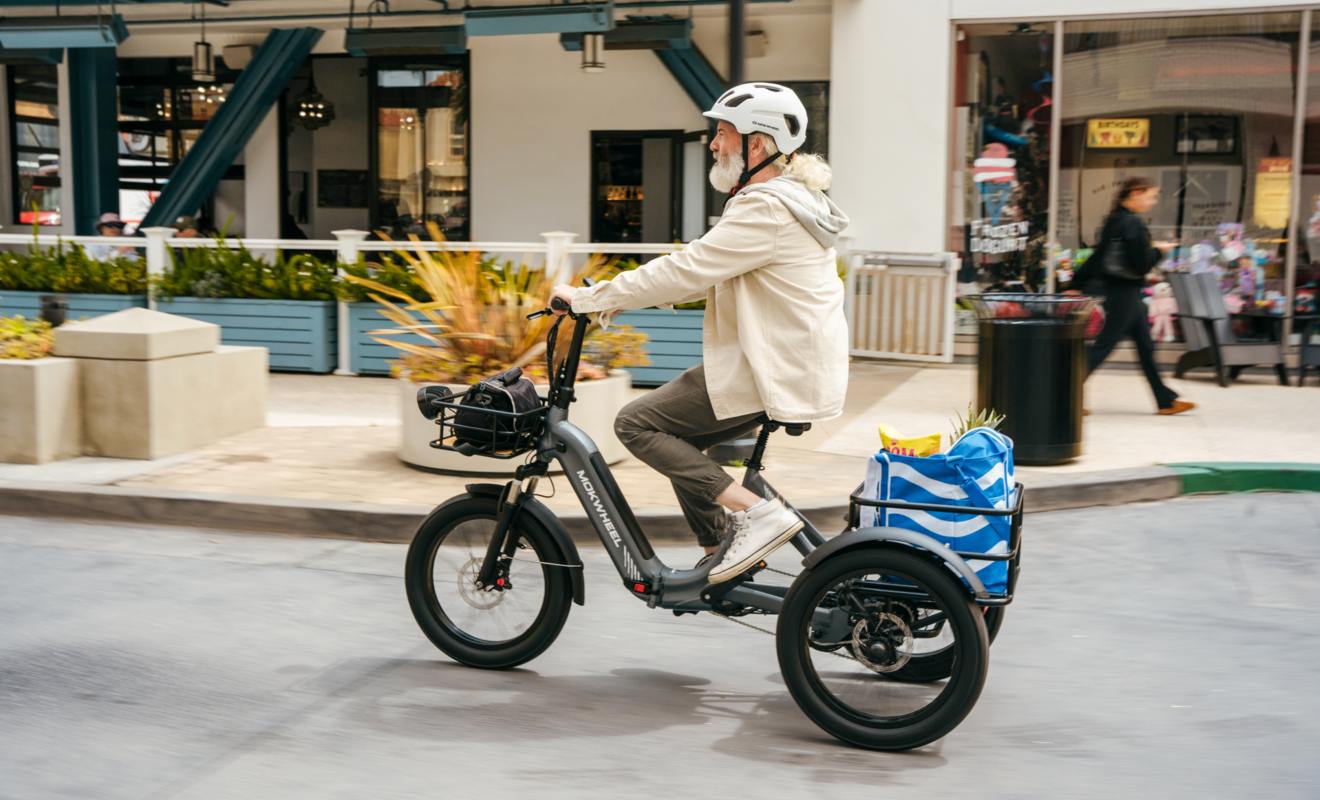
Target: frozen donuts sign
[(995, 174)]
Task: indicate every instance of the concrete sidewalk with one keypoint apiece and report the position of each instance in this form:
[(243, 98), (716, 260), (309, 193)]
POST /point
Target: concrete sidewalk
[(331, 442)]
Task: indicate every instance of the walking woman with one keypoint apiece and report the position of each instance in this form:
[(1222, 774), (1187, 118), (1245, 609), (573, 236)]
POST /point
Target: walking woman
[(1117, 271)]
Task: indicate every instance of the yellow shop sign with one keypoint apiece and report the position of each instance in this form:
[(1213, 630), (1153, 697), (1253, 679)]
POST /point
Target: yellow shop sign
[(1117, 132)]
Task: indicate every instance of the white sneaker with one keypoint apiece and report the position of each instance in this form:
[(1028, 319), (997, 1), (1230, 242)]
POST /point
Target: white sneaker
[(757, 533)]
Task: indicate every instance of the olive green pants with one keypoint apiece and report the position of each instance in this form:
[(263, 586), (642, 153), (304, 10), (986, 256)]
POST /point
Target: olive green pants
[(668, 429)]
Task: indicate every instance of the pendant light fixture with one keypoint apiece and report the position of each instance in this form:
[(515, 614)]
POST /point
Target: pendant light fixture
[(310, 109), (593, 49), (203, 62)]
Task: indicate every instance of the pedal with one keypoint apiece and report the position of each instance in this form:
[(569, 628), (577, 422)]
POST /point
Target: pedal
[(715, 591)]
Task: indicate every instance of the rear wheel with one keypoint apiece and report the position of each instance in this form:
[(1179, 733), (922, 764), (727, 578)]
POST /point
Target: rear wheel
[(496, 628), (851, 624)]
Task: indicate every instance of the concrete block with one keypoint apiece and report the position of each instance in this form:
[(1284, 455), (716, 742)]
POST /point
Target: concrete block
[(40, 419), (152, 409), (136, 334)]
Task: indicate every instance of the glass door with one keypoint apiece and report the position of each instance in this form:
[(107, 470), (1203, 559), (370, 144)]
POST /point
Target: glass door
[(421, 148)]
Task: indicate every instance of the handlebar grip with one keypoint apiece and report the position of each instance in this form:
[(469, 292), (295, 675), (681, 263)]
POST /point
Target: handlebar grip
[(558, 304), (588, 281)]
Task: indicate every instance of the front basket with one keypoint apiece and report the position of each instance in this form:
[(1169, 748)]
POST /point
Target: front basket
[(496, 434)]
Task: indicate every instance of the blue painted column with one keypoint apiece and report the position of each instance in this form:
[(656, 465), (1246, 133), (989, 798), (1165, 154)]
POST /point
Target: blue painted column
[(94, 128)]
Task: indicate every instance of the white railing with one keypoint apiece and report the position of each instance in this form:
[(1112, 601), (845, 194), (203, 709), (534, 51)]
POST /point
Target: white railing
[(558, 249), (900, 305)]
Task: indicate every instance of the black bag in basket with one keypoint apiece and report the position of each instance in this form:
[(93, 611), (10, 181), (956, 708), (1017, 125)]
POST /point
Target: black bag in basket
[(508, 391)]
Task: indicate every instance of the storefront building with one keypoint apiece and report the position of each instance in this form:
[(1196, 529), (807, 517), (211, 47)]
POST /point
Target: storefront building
[(1050, 106), (994, 130), (489, 127)]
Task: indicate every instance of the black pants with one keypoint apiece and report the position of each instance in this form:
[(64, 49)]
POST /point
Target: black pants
[(1125, 315)]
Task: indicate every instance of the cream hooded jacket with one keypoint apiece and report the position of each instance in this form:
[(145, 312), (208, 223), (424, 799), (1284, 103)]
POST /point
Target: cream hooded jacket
[(775, 338)]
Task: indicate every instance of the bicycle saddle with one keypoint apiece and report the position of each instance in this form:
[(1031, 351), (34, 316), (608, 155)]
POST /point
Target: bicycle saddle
[(793, 428)]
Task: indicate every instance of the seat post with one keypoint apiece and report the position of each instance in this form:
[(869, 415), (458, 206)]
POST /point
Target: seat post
[(754, 463)]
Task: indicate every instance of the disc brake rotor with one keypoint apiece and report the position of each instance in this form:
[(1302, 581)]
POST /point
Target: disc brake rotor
[(886, 649), (467, 587)]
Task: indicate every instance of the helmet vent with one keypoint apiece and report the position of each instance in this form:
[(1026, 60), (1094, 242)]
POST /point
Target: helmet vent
[(793, 126), (723, 96), (739, 100), (771, 87)]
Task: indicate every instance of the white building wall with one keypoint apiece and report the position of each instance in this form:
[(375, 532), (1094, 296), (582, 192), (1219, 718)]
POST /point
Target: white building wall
[(261, 174), (889, 122), (797, 41), (68, 213), (532, 114), (343, 143)]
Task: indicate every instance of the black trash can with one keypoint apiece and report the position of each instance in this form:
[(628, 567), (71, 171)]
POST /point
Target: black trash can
[(1031, 364)]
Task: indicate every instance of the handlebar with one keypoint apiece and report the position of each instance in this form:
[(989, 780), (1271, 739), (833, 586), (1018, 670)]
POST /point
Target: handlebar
[(557, 304)]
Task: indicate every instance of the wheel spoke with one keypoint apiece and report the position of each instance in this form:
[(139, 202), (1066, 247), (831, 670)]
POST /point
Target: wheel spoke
[(486, 617), (873, 681)]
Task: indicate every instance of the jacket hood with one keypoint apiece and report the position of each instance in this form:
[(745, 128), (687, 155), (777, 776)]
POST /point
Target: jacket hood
[(816, 211)]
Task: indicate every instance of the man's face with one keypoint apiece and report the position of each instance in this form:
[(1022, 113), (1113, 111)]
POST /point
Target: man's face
[(111, 230), (727, 142), (187, 233), (727, 147)]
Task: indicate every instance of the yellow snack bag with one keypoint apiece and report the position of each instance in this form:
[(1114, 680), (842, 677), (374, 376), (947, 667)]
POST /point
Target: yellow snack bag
[(894, 442)]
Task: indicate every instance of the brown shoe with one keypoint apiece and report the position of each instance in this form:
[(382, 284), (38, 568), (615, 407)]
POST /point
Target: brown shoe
[(1178, 407)]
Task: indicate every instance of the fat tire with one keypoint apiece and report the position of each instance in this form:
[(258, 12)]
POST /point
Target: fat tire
[(970, 634), (443, 634)]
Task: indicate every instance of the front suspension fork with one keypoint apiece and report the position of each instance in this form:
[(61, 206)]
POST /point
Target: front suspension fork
[(494, 570)]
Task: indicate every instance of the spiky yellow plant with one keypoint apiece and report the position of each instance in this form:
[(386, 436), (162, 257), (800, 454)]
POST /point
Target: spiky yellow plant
[(470, 313)]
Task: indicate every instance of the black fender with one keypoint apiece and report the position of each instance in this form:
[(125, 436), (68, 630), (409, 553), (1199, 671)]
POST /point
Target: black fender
[(863, 537), (542, 514)]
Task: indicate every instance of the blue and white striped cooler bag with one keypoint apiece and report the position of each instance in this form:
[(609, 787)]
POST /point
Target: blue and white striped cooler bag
[(976, 471)]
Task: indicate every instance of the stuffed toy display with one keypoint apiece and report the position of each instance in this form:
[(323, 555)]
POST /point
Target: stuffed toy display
[(1162, 308)]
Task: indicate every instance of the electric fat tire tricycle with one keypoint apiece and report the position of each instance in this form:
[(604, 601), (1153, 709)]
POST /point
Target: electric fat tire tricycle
[(883, 638)]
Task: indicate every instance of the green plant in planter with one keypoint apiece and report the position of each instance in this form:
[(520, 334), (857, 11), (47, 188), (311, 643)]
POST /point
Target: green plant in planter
[(24, 339), (390, 272), (617, 347), (70, 271), (470, 311), (224, 271)]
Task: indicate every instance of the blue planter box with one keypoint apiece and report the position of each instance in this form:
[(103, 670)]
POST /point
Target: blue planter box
[(675, 342), (28, 304), (366, 355), (301, 335)]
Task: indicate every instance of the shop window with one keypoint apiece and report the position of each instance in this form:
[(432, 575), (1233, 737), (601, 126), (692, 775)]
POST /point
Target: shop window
[(421, 147), (1203, 107), (35, 143), (634, 194), (162, 111), (1307, 279), (1003, 110)]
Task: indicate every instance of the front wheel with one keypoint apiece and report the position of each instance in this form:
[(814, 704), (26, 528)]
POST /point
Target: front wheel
[(494, 628), (852, 624)]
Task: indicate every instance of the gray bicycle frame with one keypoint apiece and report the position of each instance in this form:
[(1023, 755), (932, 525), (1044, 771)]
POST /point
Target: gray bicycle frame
[(628, 547)]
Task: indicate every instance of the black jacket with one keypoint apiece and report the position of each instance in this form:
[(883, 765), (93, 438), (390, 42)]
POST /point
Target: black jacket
[(1127, 229)]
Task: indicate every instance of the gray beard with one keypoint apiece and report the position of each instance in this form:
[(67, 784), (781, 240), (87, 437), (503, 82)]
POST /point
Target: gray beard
[(726, 172)]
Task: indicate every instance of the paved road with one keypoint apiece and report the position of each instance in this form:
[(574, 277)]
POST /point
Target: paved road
[(1161, 650)]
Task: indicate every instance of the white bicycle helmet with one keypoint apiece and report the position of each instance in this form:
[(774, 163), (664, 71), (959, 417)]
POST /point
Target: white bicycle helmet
[(763, 108)]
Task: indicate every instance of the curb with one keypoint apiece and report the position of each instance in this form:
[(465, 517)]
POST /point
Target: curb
[(1230, 476), (663, 525)]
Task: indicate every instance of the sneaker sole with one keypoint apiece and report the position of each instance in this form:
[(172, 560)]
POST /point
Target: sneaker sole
[(766, 549)]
